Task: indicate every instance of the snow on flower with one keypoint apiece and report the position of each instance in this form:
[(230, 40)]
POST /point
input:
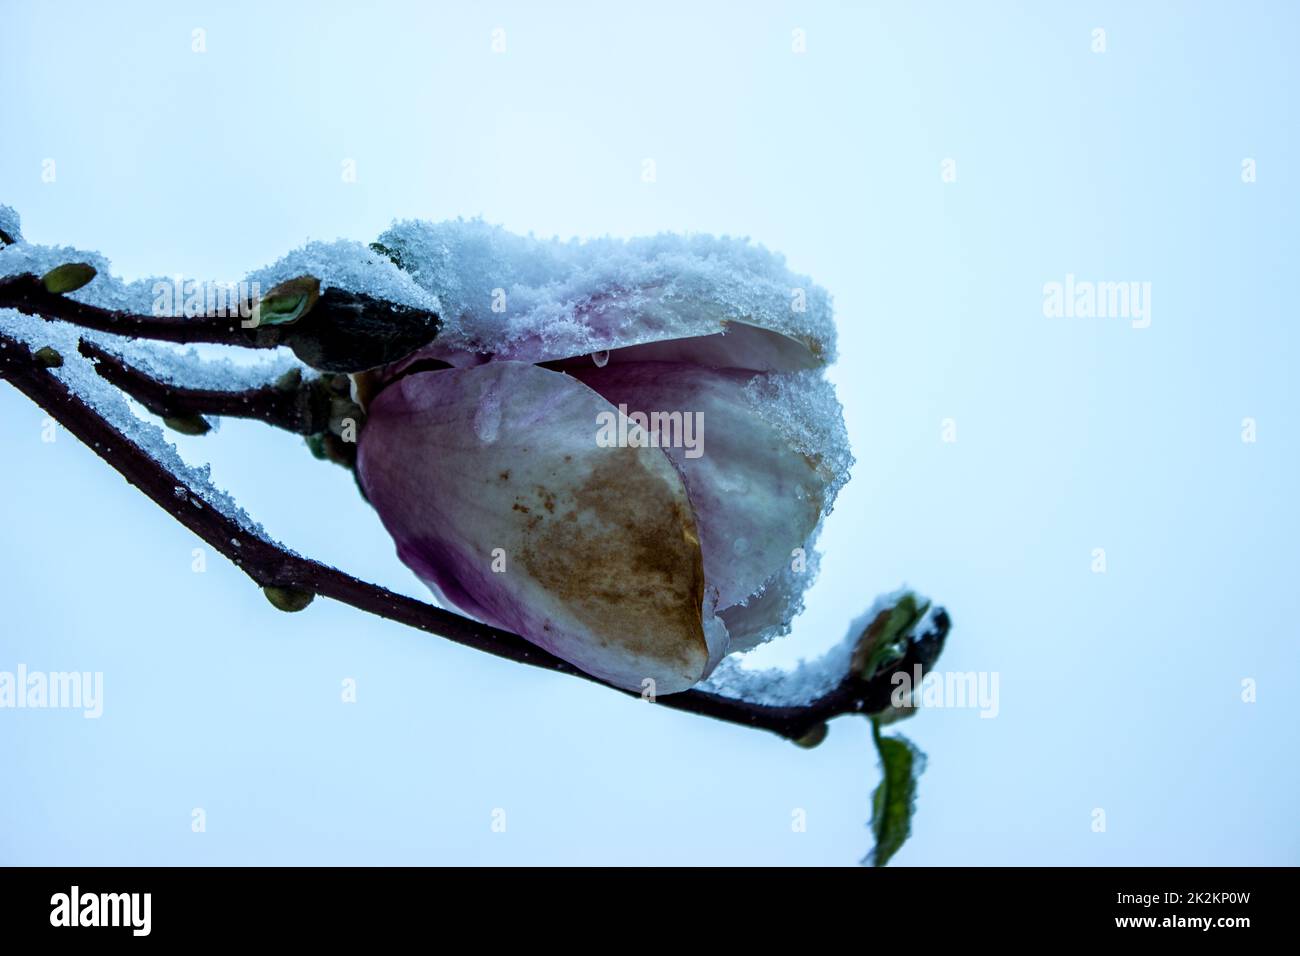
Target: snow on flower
[(644, 560)]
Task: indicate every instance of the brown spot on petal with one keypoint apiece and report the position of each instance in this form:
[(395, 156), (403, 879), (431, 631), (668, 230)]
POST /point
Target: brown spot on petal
[(622, 554)]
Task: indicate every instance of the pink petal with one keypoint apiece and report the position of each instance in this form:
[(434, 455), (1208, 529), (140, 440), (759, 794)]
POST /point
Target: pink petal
[(602, 562), (756, 496)]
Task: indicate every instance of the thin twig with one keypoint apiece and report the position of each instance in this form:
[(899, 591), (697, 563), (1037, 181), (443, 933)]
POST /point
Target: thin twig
[(270, 565), (297, 406), (28, 295), (339, 331)]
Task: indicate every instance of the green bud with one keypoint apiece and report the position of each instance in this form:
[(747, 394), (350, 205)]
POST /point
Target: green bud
[(288, 599), (316, 444), (288, 302), (188, 424), (49, 358), (326, 446), (290, 381), (68, 277), (815, 736), (886, 638)]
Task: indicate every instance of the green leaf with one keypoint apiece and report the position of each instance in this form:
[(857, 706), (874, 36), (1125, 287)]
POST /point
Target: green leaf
[(894, 799)]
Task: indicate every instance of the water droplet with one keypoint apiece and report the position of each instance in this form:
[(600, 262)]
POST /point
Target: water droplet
[(487, 420), (600, 358)]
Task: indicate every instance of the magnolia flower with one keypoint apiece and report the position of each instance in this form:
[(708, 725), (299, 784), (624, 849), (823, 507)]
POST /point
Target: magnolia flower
[(620, 450)]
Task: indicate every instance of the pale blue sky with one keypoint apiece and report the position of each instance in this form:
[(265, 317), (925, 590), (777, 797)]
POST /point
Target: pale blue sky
[(1119, 691)]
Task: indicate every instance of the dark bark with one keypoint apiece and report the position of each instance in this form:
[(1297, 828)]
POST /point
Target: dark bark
[(340, 331), (295, 405), (27, 294)]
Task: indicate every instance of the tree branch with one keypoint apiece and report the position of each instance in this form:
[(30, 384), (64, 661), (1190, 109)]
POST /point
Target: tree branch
[(27, 294), (302, 408), (335, 331), (272, 566)]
